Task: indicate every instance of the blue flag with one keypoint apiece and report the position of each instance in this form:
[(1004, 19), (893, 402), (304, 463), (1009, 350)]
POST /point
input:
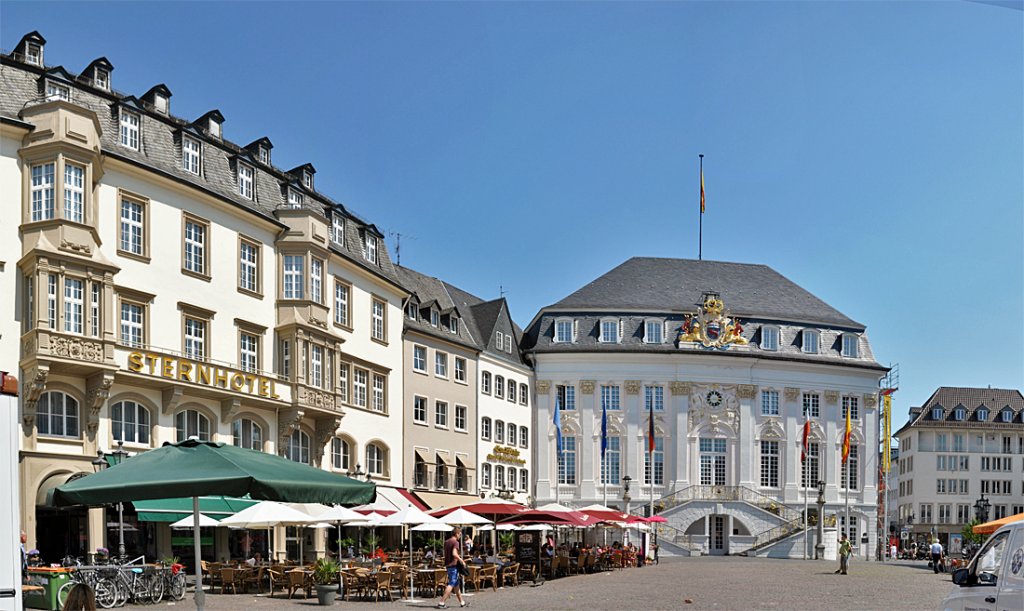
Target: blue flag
[(558, 428), (604, 431)]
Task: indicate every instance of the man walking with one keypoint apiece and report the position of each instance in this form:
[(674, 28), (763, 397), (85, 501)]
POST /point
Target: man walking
[(936, 554), (452, 562), (844, 554)]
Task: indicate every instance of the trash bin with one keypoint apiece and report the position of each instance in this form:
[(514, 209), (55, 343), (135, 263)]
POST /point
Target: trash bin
[(51, 581)]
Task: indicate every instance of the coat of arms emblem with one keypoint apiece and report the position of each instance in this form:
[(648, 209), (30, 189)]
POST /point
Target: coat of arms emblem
[(711, 326)]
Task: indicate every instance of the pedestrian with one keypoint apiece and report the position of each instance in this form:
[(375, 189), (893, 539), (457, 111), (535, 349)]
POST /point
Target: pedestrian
[(936, 550), (655, 548), (80, 598), (453, 564), (24, 558), (844, 554)]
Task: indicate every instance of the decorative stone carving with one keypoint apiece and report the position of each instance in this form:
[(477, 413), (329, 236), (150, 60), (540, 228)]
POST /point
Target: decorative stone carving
[(714, 405), (679, 388), (587, 387), (97, 391), (831, 396), (771, 430), (870, 401), (792, 393), (543, 387), (74, 348), (632, 387), (746, 391), (315, 398), (313, 320), (171, 398), (229, 408), (325, 429), (83, 249), (287, 422), (28, 347), (817, 433), (35, 384)]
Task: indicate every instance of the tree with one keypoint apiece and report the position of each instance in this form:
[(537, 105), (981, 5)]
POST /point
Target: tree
[(969, 535)]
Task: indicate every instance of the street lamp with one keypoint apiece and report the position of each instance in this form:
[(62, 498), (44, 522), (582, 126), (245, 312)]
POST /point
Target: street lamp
[(358, 473), (626, 498), (981, 508), (504, 494), (98, 465), (819, 546)]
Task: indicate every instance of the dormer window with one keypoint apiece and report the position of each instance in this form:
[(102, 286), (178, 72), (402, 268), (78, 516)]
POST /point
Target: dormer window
[(982, 414), (101, 79), (499, 340), (453, 324), (294, 199), (264, 155), (34, 54), (338, 229), (936, 413), (129, 129), (307, 180), (214, 129), (435, 317), (370, 250), (160, 103), (610, 331), (565, 331), (959, 413), (190, 155), (769, 338), (1006, 415), (57, 91), (654, 331), (810, 341), (411, 311), (246, 180), (850, 345)]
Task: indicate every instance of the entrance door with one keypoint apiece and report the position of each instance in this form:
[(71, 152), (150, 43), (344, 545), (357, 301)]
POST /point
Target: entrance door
[(712, 462), (717, 535)]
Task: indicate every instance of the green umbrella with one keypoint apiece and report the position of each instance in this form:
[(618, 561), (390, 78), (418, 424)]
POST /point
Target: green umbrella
[(198, 468)]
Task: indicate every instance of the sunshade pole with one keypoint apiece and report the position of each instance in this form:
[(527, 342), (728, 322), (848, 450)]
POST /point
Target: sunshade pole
[(200, 595)]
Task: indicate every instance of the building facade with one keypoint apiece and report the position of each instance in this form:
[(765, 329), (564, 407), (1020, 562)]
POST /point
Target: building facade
[(169, 283), (963, 448), (728, 393)]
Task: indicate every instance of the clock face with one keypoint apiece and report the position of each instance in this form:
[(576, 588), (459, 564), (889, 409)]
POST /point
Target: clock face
[(714, 398)]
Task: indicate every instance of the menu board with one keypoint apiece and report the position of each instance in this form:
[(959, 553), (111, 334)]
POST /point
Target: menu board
[(528, 547)]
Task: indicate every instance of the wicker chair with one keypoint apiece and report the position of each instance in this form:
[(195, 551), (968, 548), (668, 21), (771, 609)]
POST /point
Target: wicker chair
[(383, 585), (254, 577), (488, 574), (298, 580), (230, 578), (510, 576)]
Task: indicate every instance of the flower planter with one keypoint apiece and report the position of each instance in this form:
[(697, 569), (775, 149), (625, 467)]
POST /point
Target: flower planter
[(326, 594)]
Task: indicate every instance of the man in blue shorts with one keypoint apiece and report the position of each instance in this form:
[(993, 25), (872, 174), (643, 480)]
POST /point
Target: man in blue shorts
[(452, 562)]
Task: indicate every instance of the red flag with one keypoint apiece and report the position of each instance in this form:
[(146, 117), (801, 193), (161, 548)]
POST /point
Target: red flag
[(650, 430), (806, 436), (702, 189), (846, 436)]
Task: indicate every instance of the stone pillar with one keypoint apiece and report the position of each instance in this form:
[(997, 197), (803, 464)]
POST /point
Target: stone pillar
[(544, 467), (589, 452), (320, 542), (746, 457), (633, 460), (95, 530), (678, 414)]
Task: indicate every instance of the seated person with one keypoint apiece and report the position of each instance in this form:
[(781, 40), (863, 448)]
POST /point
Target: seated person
[(429, 555), (254, 561)]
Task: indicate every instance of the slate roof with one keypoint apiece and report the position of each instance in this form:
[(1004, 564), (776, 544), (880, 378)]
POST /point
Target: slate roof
[(488, 317), (948, 398), (676, 285), (426, 290), (159, 152)]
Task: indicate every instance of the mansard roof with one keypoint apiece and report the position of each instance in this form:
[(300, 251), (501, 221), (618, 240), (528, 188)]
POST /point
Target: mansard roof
[(949, 398)]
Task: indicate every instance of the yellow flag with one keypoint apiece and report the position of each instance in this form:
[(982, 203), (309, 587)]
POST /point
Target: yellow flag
[(846, 437), (702, 190)]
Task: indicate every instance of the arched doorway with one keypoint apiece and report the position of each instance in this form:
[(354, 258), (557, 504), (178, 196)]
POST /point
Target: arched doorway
[(60, 531)]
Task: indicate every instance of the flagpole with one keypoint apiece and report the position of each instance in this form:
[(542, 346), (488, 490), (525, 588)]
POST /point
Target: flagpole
[(804, 452), (700, 239)]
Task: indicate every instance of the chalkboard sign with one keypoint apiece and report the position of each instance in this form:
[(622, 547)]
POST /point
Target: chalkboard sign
[(528, 547)]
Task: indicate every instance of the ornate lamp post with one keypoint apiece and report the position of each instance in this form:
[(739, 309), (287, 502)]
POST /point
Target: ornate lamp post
[(819, 546), (504, 494), (98, 465), (626, 498), (981, 507)]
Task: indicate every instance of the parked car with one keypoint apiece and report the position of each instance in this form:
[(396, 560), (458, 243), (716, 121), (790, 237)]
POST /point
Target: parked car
[(994, 579)]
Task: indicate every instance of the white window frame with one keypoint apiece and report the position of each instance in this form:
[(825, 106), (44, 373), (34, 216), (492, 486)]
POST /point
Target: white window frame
[(810, 341), (337, 228), (441, 414), (342, 296), (191, 155), (130, 422), (195, 338), (769, 402), (610, 331), (133, 227), (246, 180), (130, 128), (564, 331), (485, 382), (461, 417), (851, 346), (74, 192), (419, 409), (293, 284), (654, 331), (460, 369), (370, 248), (248, 266), (101, 78), (195, 246), (248, 352), (485, 428), (33, 54), (295, 199), (499, 340), (378, 320), (441, 364), (316, 280), (133, 324), (419, 358), (74, 305), (435, 317), (770, 337), (44, 181), (376, 459), (360, 381), (379, 392), (316, 365)]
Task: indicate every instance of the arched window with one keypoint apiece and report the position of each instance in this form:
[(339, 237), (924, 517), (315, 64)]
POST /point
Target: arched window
[(485, 382), (982, 414), (485, 428), (129, 422), (57, 415), (499, 431), (512, 478), (341, 454), (298, 447), (513, 432), (485, 475), (499, 477), (524, 480), (190, 423), (524, 436), (376, 459), (247, 434), (512, 391), (499, 387), (524, 393)]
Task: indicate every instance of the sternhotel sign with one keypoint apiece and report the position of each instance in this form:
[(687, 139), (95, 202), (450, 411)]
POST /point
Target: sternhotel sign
[(204, 374)]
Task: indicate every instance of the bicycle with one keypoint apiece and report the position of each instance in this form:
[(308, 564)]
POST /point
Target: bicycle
[(174, 581), (104, 587)]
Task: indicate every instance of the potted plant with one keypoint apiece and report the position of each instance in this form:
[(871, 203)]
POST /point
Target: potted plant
[(325, 576)]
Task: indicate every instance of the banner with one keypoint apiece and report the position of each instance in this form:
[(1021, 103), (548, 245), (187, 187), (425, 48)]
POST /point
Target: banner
[(886, 432)]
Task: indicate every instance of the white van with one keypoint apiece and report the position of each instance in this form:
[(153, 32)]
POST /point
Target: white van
[(994, 580)]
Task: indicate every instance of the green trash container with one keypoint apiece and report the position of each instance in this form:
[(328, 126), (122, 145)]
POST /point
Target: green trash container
[(51, 581)]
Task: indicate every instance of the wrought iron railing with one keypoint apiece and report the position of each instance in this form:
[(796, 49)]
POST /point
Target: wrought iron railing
[(777, 533), (728, 493)]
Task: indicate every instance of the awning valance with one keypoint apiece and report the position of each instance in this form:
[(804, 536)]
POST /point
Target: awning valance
[(172, 510)]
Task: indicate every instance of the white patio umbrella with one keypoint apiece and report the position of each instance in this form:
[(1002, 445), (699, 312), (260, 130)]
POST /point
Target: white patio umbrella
[(204, 520), (339, 515), (435, 527), (410, 516), (462, 517), (268, 514), (555, 507), (490, 527)]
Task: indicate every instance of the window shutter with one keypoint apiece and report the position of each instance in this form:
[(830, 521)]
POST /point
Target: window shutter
[(619, 339), (575, 329), (664, 331)]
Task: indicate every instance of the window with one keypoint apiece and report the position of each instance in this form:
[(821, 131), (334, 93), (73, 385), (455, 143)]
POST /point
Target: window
[(565, 331), (460, 417), (850, 469), (453, 324), (959, 413), (337, 229), (341, 303), (654, 396), (42, 191), (245, 180), (379, 405), (511, 391), (565, 397), (851, 404), (769, 403), (294, 199), (499, 477), (654, 331), (248, 352), (499, 339), (359, 381), (440, 474), (190, 423), (133, 227), (74, 193), (940, 442), (298, 447), (850, 345), (567, 468), (101, 79), (341, 454), (524, 480), (512, 479), (293, 272), (512, 433), (378, 320), (441, 414), (508, 343), (94, 310), (609, 331), (485, 382), (485, 476), (610, 398), (307, 180), (370, 249), (316, 365), (611, 472), (57, 415), (343, 381), (770, 464), (499, 387), (286, 358), (811, 405), (441, 364), (195, 338), (810, 341), (1006, 415), (190, 155), (375, 458), (936, 413), (769, 338), (33, 54), (132, 324), (485, 429), (264, 153), (129, 129), (51, 300), (524, 436), (811, 472), (248, 266), (460, 369), (659, 463), (499, 431), (982, 414), (195, 246), (412, 311), (419, 358), (73, 305), (316, 280), (958, 443), (419, 410), (30, 303), (435, 317), (247, 434), (57, 91)]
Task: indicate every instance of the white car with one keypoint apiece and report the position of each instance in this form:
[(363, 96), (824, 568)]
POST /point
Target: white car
[(994, 580)]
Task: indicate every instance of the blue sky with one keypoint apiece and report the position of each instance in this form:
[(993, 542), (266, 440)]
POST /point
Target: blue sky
[(871, 152)]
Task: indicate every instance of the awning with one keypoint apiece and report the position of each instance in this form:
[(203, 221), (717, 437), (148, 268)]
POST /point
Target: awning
[(44, 495), (424, 455), (436, 500), (392, 497), (172, 510), (445, 458)]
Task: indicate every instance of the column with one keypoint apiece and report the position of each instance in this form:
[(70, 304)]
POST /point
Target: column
[(793, 422), (631, 455), (95, 529), (544, 467), (744, 453), (589, 452), (681, 452)]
